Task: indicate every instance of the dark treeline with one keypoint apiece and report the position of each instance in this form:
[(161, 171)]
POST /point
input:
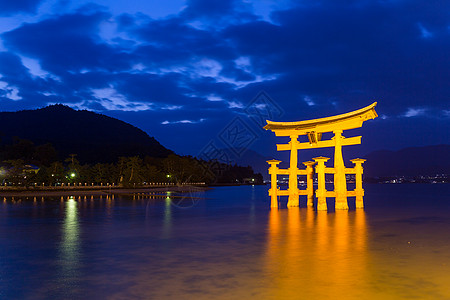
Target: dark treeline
[(24, 163)]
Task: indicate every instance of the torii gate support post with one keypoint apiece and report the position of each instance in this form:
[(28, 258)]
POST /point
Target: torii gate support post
[(321, 192), (273, 171), (340, 183), (293, 171), (358, 178), (309, 182)]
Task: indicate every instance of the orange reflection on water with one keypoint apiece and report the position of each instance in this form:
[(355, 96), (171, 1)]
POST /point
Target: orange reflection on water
[(316, 254)]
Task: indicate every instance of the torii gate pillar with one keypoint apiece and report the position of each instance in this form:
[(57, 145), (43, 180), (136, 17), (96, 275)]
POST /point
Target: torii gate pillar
[(340, 185), (359, 192), (309, 182), (321, 192), (293, 171), (273, 171)]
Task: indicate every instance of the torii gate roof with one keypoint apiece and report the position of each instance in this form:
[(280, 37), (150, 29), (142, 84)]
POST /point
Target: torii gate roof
[(345, 121)]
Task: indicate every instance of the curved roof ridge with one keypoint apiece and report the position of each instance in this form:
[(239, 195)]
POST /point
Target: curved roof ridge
[(308, 123)]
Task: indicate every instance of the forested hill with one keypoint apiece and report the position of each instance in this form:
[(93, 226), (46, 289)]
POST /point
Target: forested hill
[(92, 137)]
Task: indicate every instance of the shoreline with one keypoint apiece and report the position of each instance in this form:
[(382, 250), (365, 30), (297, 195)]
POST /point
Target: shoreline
[(98, 192)]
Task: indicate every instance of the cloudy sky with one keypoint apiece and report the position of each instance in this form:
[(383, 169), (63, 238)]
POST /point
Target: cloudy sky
[(203, 73)]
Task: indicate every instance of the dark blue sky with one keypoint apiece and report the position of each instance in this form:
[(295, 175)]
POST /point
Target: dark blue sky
[(191, 73)]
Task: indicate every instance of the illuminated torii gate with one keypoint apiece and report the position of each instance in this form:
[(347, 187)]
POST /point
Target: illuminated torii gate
[(314, 129)]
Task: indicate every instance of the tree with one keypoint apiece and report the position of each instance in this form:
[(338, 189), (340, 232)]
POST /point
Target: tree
[(152, 174), (15, 172), (57, 173), (102, 173), (131, 170), (184, 169), (45, 154), (74, 168), (20, 149)]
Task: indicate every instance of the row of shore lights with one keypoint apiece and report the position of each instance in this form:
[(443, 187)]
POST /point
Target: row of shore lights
[(113, 184), (73, 175)]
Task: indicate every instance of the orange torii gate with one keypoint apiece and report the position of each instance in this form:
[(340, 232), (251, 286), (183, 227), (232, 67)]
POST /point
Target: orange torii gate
[(314, 129)]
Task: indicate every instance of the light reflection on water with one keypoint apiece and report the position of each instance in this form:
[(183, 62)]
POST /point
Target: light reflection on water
[(227, 246), (167, 225), (69, 252), (323, 253)]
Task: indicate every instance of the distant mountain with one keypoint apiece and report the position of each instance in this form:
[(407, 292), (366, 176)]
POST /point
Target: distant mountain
[(257, 161), (93, 137), (428, 160)]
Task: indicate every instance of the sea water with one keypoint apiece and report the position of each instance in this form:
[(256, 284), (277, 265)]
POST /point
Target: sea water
[(226, 243)]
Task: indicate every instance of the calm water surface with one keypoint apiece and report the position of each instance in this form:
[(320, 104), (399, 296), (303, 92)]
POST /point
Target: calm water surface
[(227, 245)]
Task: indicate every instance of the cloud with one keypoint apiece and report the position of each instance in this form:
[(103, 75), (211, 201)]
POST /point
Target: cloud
[(414, 112), (217, 14), (348, 53), (182, 122), (110, 99), (308, 100), (10, 92), (34, 67), (210, 60), (68, 43), (235, 104), (425, 33), (11, 67), (9, 8)]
